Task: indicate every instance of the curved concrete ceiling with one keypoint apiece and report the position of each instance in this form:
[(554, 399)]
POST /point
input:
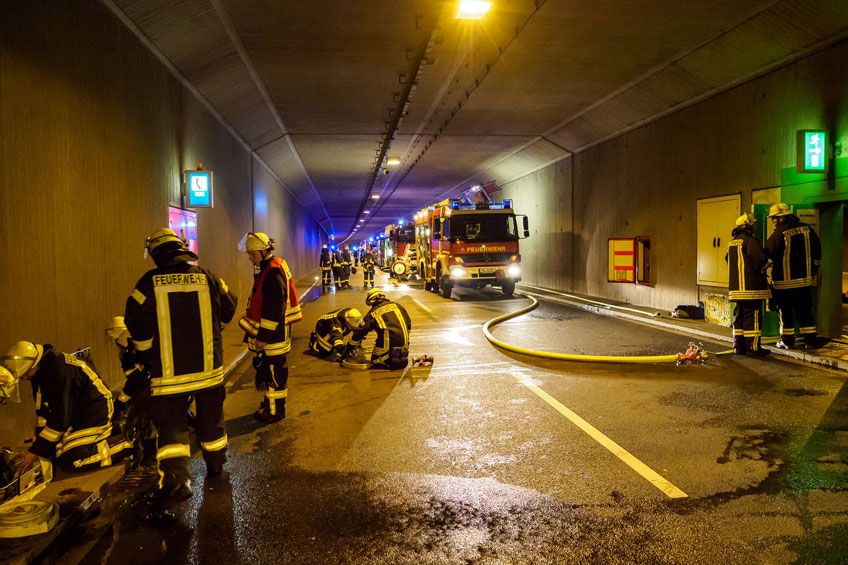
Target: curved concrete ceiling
[(324, 91)]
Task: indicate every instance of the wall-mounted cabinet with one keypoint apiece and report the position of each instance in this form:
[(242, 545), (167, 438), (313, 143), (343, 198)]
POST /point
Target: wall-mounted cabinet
[(716, 218)]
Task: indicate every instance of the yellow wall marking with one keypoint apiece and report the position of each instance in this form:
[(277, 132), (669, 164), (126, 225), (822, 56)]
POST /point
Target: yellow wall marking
[(647, 473)]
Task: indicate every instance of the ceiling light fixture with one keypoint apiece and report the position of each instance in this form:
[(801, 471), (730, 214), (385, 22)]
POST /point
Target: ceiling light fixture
[(375, 197), (367, 211), (393, 161), (472, 9)]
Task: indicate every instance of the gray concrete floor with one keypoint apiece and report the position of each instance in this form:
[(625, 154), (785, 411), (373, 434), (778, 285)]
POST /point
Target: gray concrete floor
[(493, 457)]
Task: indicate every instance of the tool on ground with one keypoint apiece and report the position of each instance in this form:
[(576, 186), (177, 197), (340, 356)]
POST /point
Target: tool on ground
[(694, 354), (422, 361)]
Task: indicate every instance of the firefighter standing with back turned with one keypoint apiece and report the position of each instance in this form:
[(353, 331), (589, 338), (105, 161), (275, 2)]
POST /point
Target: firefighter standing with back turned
[(326, 266), (795, 251), (174, 316), (273, 306), (337, 268), (345, 262), (747, 262)]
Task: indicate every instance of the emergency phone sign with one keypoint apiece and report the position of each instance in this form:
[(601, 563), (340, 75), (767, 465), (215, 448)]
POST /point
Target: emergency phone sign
[(198, 189), (812, 151)]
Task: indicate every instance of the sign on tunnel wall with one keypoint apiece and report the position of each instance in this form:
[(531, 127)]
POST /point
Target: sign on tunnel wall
[(621, 261)]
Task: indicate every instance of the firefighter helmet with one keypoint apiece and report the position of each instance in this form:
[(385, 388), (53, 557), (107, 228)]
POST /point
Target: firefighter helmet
[(8, 387), (353, 318), (374, 295), (745, 220), (256, 242), (779, 210), (22, 357), (160, 237), (117, 330)]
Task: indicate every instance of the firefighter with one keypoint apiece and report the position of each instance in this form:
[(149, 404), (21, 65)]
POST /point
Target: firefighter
[(174, 316), (337, 268), (392, 324), (73, 409), (747, 262), (326, 266), (795, 251), (332, 329), (368, 267), (345, 263), (135, 395), (272, 308)]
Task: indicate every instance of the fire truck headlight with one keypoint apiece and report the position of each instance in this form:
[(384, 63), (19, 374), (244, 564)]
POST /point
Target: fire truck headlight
[(513, 270), (457, 272)]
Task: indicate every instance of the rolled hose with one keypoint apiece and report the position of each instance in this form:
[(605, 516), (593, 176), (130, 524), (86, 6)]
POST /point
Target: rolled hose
[(570, 356)]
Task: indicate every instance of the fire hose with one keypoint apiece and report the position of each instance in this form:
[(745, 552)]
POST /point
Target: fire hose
[(571, 356)]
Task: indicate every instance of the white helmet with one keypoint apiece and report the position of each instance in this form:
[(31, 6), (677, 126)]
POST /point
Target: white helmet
[(779, 209), (9, 389), (256, 242), (745, 220), (22, 357), (117, 330), (353, 318)]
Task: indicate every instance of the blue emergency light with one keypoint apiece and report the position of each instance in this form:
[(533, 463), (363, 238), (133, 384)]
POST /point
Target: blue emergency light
[(333, 247), (355, 247), (370, 239), (400, 222)]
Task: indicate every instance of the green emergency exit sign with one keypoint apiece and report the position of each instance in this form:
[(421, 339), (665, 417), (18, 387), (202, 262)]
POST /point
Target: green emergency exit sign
[(812, 151)]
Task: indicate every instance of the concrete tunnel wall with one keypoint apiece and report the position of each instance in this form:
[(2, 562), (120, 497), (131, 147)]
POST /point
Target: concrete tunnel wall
[(94, 135), (647, 182)]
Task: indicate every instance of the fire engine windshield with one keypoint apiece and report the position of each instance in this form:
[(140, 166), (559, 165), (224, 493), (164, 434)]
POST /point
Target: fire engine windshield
[(405, 234), (483, 227)]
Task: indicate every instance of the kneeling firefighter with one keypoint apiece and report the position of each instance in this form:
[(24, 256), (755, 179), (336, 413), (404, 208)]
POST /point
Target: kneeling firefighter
[(132, 406), (73, 409), (392, 324), (271, 309), (331, 330)]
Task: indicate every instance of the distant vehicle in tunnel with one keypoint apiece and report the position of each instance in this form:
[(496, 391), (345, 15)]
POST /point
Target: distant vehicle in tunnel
[(469, 245)]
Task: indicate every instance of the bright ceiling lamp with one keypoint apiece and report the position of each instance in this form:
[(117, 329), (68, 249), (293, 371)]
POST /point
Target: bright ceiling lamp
[(367, 211), (472, 9), (393, 161), (375, 197)]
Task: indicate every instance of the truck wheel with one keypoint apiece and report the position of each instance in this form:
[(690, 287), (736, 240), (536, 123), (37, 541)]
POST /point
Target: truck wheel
[(445, 287), (508, 287)]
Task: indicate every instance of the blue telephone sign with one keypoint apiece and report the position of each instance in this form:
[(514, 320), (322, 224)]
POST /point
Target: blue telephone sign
[(199, 189)]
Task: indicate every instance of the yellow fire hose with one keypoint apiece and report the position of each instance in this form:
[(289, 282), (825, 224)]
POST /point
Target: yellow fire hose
[(570, 356)]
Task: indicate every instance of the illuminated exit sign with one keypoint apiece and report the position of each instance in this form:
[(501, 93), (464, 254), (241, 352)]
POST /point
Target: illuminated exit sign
[(812, 151), (198, 189)]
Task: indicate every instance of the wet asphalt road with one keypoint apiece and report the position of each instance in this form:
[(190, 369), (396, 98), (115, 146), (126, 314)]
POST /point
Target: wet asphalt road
[(464, 463)]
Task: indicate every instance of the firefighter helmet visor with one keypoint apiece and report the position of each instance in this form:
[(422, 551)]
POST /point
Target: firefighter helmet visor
[(255, 242), (353, 318), (9, 389), (22, 357)]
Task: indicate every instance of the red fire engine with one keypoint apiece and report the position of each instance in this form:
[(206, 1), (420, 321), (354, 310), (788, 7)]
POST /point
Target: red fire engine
[(470, 245)]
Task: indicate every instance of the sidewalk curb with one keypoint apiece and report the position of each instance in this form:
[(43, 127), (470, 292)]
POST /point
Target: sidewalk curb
[(545, 294)]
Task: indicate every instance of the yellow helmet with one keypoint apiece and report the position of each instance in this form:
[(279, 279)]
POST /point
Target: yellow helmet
[(779, 210), (117, 330), (745, 220), (163, 240), (8, 387), (353, 318), (256, 242), (374, 295), (22, 357)]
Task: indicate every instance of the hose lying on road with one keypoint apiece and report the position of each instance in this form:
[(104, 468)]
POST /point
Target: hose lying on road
[(570, 356)]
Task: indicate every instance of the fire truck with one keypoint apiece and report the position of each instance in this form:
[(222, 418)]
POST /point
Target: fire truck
[(400, 251), (469, 244)]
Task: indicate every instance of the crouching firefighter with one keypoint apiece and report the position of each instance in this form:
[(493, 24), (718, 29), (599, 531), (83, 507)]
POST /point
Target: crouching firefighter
[(73, 410), (132, 406), (332, 329), (271, 309), (174, 317), (392, 324)]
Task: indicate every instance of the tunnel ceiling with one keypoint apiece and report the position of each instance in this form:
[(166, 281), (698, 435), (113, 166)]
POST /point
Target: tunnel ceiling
[(323, 91)]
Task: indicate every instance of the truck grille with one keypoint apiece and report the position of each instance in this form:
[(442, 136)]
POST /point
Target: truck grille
[(474, 258)]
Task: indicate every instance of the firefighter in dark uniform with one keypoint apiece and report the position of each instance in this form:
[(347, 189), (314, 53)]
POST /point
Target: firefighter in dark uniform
[(332, 329), (337, 268), (135, 394), (272, 308), (175, 315), (368, 267), (747, 263), (392, 324), (795, 251), (345, 262), (326, 266), (73, 410)]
